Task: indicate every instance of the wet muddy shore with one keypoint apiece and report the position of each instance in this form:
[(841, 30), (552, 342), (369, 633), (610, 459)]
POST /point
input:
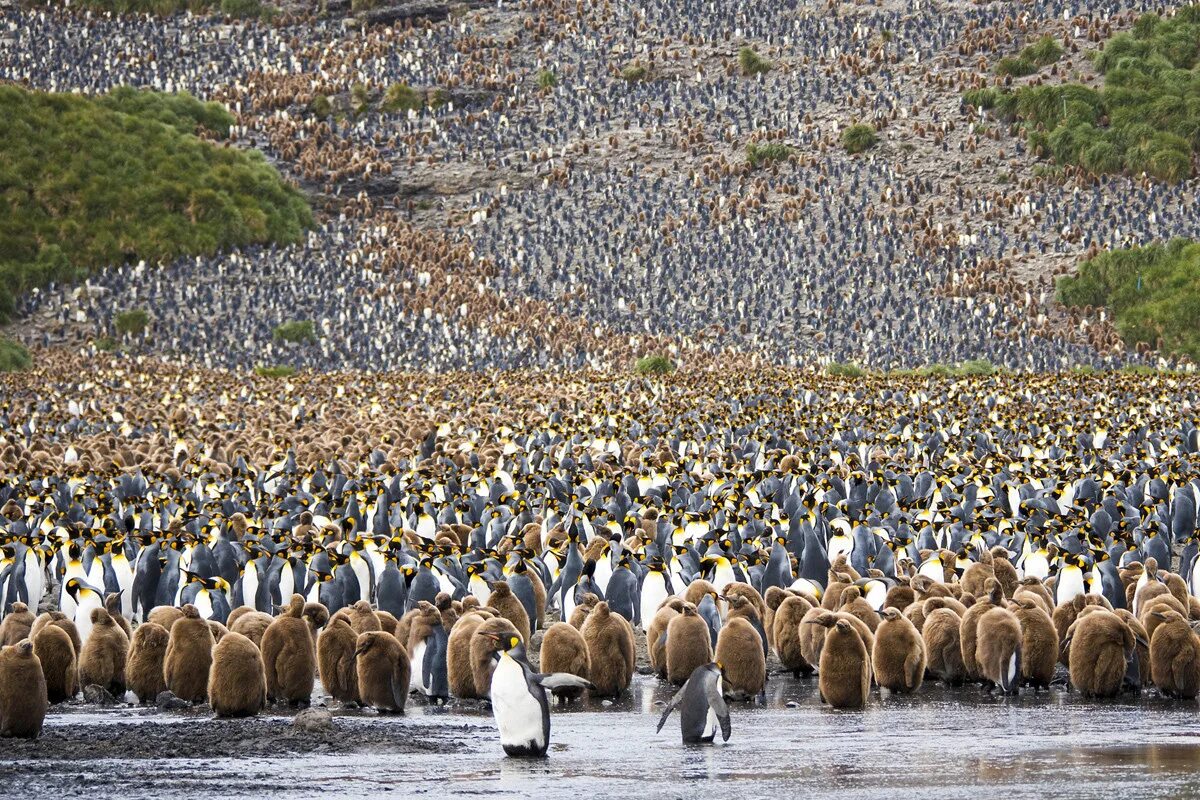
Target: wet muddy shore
[(941, 743)]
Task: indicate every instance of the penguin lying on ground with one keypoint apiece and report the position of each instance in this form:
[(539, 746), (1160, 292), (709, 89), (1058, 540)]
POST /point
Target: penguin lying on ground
[(519, 698), (702, 707)]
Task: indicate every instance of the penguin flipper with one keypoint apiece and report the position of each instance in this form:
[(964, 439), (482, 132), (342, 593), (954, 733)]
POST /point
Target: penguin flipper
[(561, 680), (717, 703), (670, 707)]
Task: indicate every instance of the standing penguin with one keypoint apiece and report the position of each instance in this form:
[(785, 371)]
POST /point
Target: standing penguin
[(383, 672), (189, 656), (702, 707), (611, 652), (565, 650), (144, 670), (335, 660), (740, 651), (507, 605), (54, 649), (105, 654), (656, 588), (481, 649), (237, 684), (999, 650), (427, 650), (17, 625), (899, 655), (845, 668), (519, 698), (688, 644), (289, 655), (86, 598), (23, 699)]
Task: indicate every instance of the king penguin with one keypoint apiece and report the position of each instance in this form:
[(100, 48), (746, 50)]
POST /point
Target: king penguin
[(518, 697), (702, 707)]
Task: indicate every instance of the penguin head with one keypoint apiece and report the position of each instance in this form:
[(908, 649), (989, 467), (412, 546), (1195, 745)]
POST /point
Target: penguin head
[(507, 644)]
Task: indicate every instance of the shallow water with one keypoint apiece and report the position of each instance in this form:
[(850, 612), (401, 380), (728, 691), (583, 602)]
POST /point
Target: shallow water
[(940, 743)]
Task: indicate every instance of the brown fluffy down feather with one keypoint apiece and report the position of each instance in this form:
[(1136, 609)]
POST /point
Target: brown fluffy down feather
[(1098, 644), (610, 649), (104, 655), (335, 660), (481, 652), (689, 644), (564, 650), (23, 699), (739, 651), (458, 655), (899, 656), (289, 655), (189, 657), (383, 671), (147, 652), (787, 635), (237, 682), (54, 650)]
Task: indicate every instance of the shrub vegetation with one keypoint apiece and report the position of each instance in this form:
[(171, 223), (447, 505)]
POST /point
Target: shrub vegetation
[(87, 182), (1146, 118), (13, 355), (858, 138), (1153, 292), (752, 63), (654, 365), (402, 97), (132, 322), (762, 153), (296, 331), (1042, 53), (277, 371)]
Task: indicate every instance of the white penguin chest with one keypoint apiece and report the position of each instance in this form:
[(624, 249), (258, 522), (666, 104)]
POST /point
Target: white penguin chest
[(518, 713)]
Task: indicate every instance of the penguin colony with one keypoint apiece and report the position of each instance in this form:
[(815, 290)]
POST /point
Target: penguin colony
[(557, 212), (875, 534)]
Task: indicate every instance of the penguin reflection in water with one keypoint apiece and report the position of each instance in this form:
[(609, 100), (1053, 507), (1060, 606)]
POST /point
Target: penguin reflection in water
[(702, 707), (518, 697)]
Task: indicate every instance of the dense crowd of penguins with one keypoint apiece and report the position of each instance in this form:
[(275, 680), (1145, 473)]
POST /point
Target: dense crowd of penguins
[(229, 540), (623, 209)]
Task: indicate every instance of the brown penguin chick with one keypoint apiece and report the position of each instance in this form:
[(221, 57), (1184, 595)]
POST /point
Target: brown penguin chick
[(189, 656), (404, 625), (507, 605), (237, 682), (105, 654), (1065, 614), (975, 577), (970, 624), (696, 590), (1039, 641), (998, 650), (289, 655), (844, 673), (925, 587), (773, 598), (832, 599), (387, 622), (317, 617), (362, 617), (482, 647), (54, 650), (943, 648), (900, 597), (144, 670), (854, 604), (1036, 588), (564, 650), (611, 652), (745, 590), (812, 637), (218, 630), (458, 655), (165, 616), (1141, 640), (740, 652), (383, 672), (1162, 602), (448, 609), (237, 614), (17, 625), (689, 644), (580, 613), (841, 566), (112, 604), (899, 656), (59, 620), (1099, 643), (1004, 570), (252, 625), (539, 597), (23, 696), (915, 614), (1143, 596), (1178, 589), (787, 635), (656, 639), (1175, 655), (335, 660)]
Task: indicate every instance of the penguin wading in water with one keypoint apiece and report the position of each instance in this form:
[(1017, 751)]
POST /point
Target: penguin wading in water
[(702, 707), (519, 698)]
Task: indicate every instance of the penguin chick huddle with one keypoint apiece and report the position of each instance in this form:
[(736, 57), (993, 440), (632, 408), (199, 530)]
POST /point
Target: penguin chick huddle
[(525, 538)]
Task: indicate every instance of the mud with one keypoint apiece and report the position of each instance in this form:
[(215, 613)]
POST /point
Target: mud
[(939, 743)]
